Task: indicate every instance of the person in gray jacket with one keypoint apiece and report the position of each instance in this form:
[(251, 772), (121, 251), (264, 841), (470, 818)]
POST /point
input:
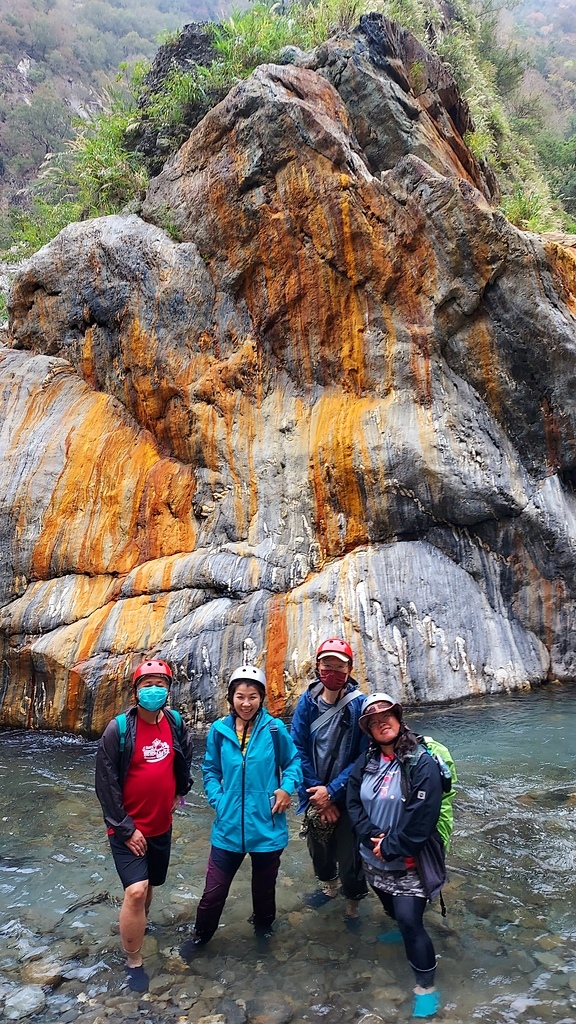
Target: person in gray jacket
[(327, 736)]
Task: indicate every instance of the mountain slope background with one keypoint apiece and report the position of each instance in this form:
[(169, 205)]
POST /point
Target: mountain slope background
[(88, 80), (57, 60)]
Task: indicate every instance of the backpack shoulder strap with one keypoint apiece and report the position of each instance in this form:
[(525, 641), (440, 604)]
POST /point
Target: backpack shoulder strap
[(121, 722), (330, 712), (177, 719)]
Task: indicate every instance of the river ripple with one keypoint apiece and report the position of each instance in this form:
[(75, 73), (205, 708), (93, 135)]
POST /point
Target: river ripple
[(506, 949)]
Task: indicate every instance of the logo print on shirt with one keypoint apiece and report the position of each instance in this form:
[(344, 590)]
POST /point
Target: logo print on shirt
[(157, 751), (384, 788), (389, 774)]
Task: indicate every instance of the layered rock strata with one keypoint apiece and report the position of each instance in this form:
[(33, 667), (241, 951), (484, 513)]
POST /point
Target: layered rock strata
[(342, 402)]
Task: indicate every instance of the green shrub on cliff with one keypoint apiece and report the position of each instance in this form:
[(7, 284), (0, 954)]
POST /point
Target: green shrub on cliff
[(97, 170), (23, 232), (105, 166)]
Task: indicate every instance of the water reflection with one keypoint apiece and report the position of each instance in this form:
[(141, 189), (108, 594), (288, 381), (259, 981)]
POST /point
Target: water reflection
[(506, 948)]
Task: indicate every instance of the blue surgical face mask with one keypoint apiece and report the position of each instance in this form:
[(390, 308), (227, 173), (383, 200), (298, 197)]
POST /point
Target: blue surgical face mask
[(152, 698)]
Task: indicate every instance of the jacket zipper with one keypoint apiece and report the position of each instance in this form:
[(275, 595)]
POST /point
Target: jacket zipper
[(243, 801)]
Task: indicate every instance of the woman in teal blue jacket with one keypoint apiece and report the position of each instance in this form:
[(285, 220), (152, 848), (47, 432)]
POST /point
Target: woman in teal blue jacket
[(250, 770)]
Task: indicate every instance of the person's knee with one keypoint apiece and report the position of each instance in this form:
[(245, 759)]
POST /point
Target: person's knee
[(135, 894)]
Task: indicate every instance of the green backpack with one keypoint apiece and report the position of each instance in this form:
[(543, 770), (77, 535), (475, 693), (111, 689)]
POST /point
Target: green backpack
[(445, 762)]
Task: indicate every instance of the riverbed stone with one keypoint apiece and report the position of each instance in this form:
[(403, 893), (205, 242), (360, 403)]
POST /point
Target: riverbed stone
[(392, 994), (523, 961), (269, 1011), (548, 942), (24, 1002), (160, 983), (551, 960), (233, 1010), (43, 972)]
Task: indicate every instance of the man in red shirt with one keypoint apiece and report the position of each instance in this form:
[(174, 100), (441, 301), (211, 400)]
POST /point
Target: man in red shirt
[(142, 770)]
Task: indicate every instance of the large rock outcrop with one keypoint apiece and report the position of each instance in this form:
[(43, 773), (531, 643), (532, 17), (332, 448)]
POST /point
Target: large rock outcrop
[(342, 402)]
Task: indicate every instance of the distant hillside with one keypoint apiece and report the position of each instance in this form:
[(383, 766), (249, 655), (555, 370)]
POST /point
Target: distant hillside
[(547, 30), (546, 104), (514, 67), (56, 59)]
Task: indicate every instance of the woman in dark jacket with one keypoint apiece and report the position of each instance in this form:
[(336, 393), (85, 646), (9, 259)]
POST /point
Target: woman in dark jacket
[(394, 796)]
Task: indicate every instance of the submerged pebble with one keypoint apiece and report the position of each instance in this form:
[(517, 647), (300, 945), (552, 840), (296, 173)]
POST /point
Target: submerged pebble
[(24, 1002)]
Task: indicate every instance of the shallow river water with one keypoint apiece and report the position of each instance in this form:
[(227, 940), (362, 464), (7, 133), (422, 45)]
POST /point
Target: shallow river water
[(506, 948)]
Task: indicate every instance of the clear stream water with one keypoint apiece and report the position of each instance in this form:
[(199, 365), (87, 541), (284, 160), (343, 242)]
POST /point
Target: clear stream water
[(506, 948)]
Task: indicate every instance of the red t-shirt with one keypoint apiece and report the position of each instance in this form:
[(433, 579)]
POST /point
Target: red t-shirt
[(150, 786)]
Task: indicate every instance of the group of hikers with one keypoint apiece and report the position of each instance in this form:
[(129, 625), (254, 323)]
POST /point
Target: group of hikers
[(369, 789)]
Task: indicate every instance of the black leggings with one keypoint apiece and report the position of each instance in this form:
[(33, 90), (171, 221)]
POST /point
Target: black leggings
[(408, 912)]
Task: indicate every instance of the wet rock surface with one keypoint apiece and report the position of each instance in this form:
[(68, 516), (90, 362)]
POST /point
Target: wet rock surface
[(342, 402)]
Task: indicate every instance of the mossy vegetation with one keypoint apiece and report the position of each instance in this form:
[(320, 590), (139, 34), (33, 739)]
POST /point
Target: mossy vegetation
[(104, 168)]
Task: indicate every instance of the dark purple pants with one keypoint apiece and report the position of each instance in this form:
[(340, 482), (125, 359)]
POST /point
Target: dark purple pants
[(222, 866)]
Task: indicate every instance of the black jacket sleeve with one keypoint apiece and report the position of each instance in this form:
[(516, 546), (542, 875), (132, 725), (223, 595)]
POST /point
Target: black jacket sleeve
[(183, 751), (109, 783)]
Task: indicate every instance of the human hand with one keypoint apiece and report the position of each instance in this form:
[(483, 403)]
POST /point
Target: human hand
[(282, 801), (377, 841), (137, 843), (330, 814), (319, 797)]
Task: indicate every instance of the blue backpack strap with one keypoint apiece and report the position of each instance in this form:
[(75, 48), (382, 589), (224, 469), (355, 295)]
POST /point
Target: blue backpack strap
[(177, 719), (121, 723)]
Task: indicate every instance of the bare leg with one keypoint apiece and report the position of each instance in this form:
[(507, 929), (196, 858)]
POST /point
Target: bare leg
[(133, 921), (149, 896)]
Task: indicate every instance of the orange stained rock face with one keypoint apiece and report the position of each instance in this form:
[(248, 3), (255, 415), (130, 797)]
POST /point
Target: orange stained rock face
[(276, 644), (227, 423), (89, 371), (338, 458), (486, 358), (74, 699), (221, 377), (552, 435), (541, 603), (306, 262), (89, 525), (114, 694), (333, 250), (148, 378), (165, 521), (563, 265), (135, 624), (154, 577)]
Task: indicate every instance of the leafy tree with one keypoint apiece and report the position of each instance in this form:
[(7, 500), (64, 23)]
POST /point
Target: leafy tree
[(36, 128)]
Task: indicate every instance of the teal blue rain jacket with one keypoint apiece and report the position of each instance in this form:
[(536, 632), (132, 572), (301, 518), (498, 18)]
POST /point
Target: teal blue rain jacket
[(241, 788)]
